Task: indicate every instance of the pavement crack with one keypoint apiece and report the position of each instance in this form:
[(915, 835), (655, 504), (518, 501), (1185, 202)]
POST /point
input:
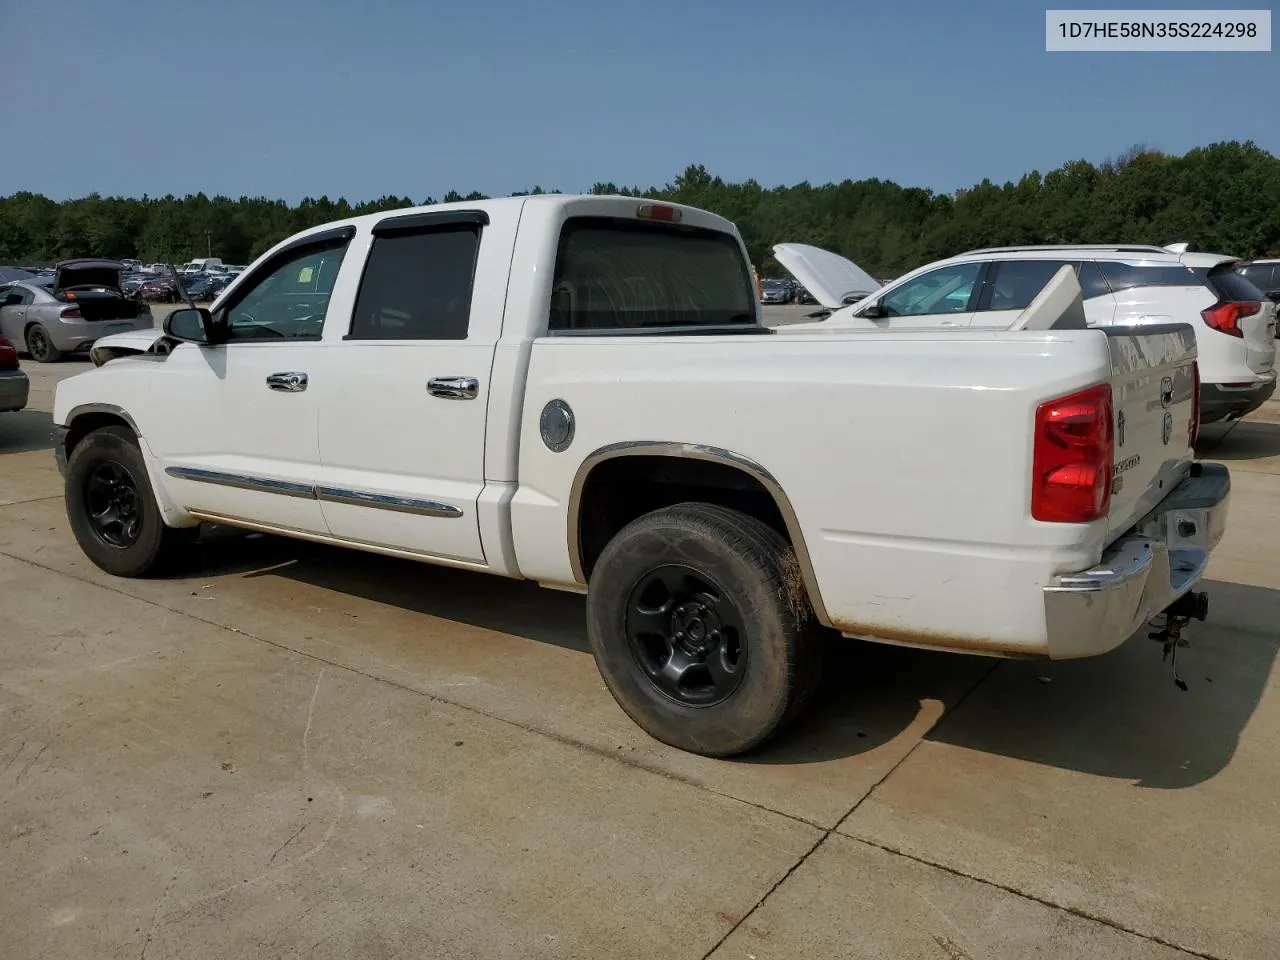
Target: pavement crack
[(280, 849), (768, 893), (1024, 895), (30, 763), (155, 917)]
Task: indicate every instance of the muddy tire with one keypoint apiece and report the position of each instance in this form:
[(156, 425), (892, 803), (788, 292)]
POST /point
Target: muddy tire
[(40, 345), (701, 628), (112, 507)]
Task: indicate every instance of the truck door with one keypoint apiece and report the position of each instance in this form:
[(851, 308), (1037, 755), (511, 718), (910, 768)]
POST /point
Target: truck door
[(402, 404)]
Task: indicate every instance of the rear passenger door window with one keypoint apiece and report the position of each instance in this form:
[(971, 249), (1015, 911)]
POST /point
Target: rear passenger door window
[(417, 285)]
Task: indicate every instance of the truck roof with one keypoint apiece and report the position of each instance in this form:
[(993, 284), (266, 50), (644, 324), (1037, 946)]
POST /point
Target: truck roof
[(510, 204)]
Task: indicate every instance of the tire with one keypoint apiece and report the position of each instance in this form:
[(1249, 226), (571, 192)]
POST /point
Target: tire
[(697, 563), (40, 345), (152, 547)]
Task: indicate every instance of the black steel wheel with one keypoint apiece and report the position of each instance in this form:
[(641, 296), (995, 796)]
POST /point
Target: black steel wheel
[(685, 633), (112, 501), (40, 345), (112, 507), (701, 628)]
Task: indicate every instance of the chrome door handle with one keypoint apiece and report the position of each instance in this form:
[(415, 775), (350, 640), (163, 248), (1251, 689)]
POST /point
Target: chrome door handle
[(288, 382), (454, 388)]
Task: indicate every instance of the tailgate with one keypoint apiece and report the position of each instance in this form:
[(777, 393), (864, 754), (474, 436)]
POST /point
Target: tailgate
[(1153, 384)]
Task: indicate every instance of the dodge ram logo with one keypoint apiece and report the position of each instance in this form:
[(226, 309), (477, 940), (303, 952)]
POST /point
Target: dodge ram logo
[(1166, 391), (1166, 429), (1120, 428)]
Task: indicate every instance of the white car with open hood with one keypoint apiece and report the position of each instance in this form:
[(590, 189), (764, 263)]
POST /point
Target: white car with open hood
[(1122, 285), (580, 391)]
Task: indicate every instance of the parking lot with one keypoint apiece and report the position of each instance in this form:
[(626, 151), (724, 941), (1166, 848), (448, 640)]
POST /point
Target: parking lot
[(295, 751)]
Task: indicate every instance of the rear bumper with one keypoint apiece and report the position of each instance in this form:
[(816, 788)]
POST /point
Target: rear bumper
[(14, 388), (1142, 573), (1220, 402)]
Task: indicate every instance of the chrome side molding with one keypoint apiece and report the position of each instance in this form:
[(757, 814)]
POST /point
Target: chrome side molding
[(243, 482), (358, 498)]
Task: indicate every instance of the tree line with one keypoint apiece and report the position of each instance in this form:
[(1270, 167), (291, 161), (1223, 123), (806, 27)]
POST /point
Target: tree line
[(1224, 197)]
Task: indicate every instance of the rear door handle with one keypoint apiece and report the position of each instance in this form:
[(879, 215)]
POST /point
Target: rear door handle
[(287, 382), (454, 388)]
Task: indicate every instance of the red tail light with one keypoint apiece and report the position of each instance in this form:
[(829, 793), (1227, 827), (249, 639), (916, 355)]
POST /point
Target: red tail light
[(70, 313), (1226, 317), (1072, 457), (8, 355), (1195, 402)]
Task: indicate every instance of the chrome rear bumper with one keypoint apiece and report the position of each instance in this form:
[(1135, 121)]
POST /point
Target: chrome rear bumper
[(1143, 572)]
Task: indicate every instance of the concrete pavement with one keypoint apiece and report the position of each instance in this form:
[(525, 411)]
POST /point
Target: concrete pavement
[(295, 751)]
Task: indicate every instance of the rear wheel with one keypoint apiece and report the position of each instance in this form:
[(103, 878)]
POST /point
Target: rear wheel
[(701, 628), (112, 507), (40, 345)]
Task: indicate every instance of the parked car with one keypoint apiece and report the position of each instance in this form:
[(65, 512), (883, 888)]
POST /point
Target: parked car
[(82, 303), (1235, 323), (774, 291), (596, 405), (1263, 274), (14, 385), (199, 286), (159, 288)]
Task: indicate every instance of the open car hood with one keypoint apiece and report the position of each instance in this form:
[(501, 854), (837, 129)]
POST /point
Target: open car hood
[(87, 273), (129, 343), (830, 277)]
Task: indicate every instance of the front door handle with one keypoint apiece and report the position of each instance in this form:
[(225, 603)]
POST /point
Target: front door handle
[(288, 382), (454, 388)]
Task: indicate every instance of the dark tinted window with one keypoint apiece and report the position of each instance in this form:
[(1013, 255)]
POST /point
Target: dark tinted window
[(1264, 276), (417, 286), (619, 275), (1015, 283), (1091, 282), (1229, 285), (1126, 276)]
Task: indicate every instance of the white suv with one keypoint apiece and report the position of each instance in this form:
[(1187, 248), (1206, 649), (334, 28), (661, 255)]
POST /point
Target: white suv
[(1234, 321)]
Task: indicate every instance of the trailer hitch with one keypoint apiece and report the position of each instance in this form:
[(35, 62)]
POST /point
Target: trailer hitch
[(1190, 606)]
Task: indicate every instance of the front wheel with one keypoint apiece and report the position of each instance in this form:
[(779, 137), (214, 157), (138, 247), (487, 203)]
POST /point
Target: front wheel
[(701, 628), (112, 507), (40, 345)]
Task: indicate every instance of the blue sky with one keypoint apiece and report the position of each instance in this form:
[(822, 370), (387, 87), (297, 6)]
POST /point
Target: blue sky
[(288, 98)]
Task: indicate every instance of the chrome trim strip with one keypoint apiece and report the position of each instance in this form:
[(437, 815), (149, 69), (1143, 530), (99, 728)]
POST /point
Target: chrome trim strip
[(696, 451), (102, 408), (370, 545), (242, 482), (381, 501)]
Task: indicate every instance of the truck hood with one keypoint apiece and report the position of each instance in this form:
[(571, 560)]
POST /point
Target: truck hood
[(828, 276), (131, 342)]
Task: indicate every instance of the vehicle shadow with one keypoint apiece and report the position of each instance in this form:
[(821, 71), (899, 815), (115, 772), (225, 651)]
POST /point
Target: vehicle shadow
[(1243, 440), (25, 430), (1119, 716)]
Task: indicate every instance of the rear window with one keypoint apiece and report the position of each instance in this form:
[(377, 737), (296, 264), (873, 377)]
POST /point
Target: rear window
[(1229, 285), (620, 275), (1264, 276), (1126, 276)]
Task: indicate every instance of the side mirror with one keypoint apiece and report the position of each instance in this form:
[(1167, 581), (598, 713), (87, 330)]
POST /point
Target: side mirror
[(872, 311), (195, 325)]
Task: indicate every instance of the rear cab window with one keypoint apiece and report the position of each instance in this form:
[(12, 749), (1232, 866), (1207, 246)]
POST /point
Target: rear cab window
[(620, 276)]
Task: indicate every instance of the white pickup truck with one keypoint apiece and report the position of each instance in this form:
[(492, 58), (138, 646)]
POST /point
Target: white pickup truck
[(581, 391)]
